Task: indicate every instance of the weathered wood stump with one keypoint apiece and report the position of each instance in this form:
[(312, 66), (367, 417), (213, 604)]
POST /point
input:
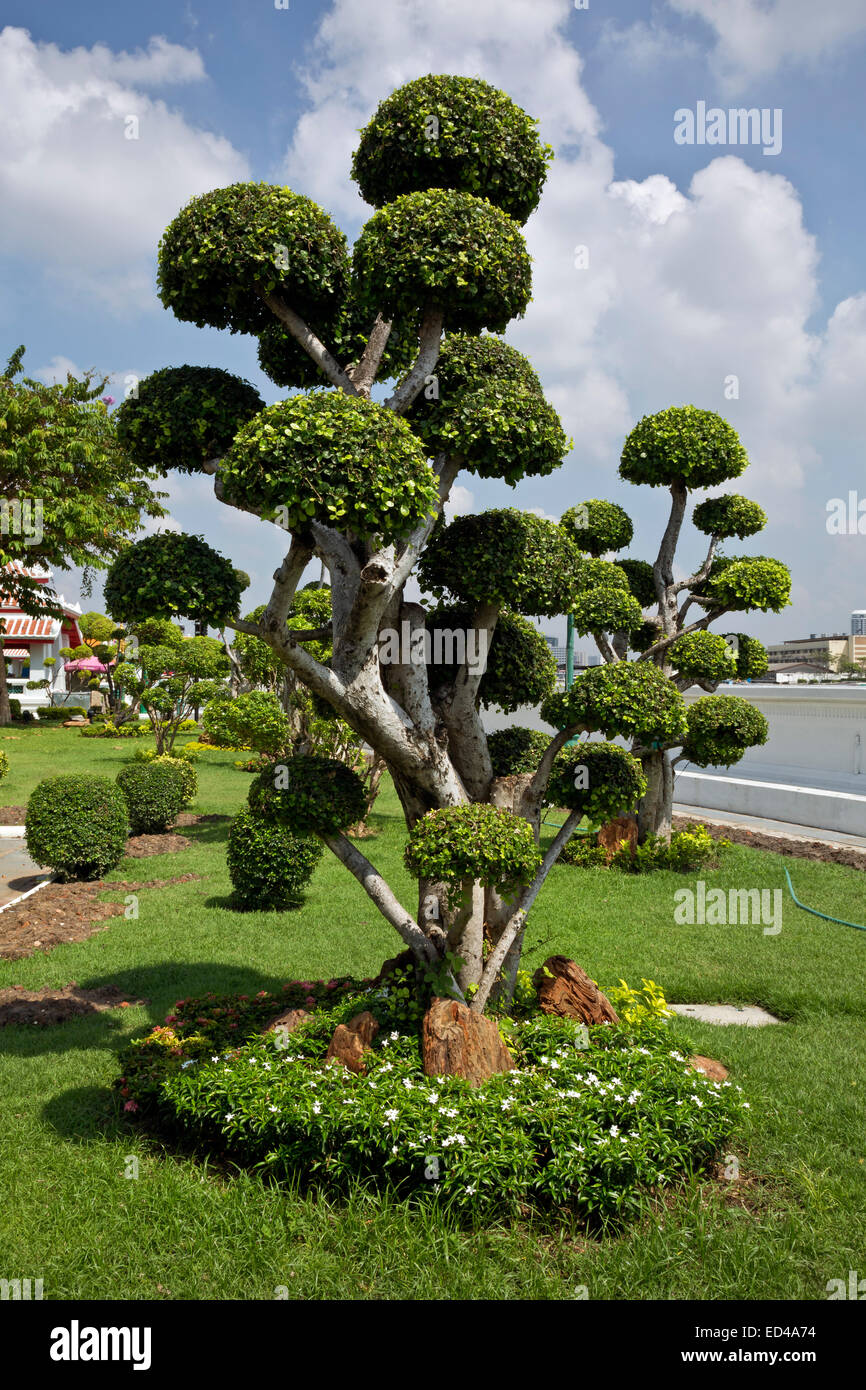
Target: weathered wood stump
[(709, 1066), (351, 1041), (457, 1042), (614, 832), (287, 1021), (567, 991)]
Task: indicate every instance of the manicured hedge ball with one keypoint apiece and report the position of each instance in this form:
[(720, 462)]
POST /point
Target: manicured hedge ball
[(752, 659), (605, 609), (704, 655), (597, 526), (682, 445), (183, 417), (720, 730), (731, 515), (516, 749), (269, 865), (312, 796), (77, 825), (172, 575), (456, 843), (227, 248), (633, 699), (746, 582), (185, 771), (502, 431), (452, 132), (155, 794), (639, 575), (600, 779), (324, 456), (447, 249), (521, 668)]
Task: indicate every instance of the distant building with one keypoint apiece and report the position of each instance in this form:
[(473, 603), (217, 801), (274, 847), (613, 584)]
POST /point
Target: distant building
[(827, 650), (858, 622), (28, 641)]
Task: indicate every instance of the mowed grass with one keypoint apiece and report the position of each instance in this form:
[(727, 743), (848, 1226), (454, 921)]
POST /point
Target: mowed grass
[(795, 1218)]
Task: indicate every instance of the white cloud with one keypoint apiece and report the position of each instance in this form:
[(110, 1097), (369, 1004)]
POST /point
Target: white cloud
[(460, 501), (80, 199), (755, 37)]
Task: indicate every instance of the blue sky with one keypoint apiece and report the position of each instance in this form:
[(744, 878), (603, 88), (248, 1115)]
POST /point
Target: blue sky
[(704, 261)]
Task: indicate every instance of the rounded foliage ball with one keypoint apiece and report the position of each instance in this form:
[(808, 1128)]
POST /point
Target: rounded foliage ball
[(730, 515), (312, 796), (227, 248), (597, 526), (503, 556), (77, 825), (503, 431), (182, 765), (182, 417), (4, 765), (452, 132), (451, 250), (705, 655), (601, 780), (155, 794), (721, 728), (172, 575), (516, 749), (630, 698), (340, 460), (745, 583), (682, 445), (269, 865), (752, 659), (639, 576), (606, 608), (456, 843), (520, 670)]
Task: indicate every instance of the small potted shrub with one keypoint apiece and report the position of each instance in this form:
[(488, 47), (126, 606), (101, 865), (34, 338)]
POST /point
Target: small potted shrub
[(77, 825)]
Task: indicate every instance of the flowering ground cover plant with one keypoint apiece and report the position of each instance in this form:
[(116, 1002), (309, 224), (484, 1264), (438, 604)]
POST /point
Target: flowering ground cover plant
[(594, 1120)]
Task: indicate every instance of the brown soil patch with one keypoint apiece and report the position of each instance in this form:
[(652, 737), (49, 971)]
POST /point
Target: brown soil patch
[(12, 815), (141, 846), (44, 1006), (190, 818), (64, 912), (849, 855)]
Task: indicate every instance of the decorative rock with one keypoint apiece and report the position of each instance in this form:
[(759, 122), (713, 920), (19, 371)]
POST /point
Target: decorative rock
[(350, 1042), (610, 835), (567, 991), (714, 1070), (287, 1021), (457, 1042), (74, 723)]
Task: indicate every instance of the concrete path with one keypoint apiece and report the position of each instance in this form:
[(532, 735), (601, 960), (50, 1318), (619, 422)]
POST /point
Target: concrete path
[(779, 827), (18, 873)]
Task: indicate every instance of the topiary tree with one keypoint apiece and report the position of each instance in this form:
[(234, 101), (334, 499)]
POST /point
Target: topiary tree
[(453, 168), (268, 863), (684, 449), (171, 679), (155, 794), (77, 825)]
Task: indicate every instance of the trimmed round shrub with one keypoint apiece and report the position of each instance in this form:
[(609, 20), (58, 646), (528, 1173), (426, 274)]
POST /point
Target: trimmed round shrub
[(15, 707), (633, 699), (254, 720), (606, 608), (452, 132), (4, 765), (56, 714), (469, 362), (448, 249), (752, 659), (601, 780), (521, 668), (721, 728), (705, 655), (639, 576), (503, 556), (516, 749), (477, 841), (598, 526), (226, 248), (682, 445), (744, 583), (324, 456), (155, 794), (269, 864), (503, 431), (182, 765), (172, 575), (312, 796), (77, 825), (731, 515), (184, 416), (646, 636)]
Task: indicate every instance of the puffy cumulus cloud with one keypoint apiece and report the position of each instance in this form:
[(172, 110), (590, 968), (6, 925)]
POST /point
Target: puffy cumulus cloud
[(460, 501), (79, 198), (754, 37)]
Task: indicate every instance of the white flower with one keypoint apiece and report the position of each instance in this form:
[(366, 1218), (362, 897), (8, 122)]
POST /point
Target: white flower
[(614, 1131), (407, 1083), (392, 1114), (698, 1102), (230, 1116), (470, 1191), (580, 1149), (267, 1066), (507, 1103), (394, 1149), (273, 1109), (746, 1105), (433, 1098), (452, 1114), (393, 1036), (316, 1108), (216, 1059), (312, 1083), (633, 1097), (387, 1066)]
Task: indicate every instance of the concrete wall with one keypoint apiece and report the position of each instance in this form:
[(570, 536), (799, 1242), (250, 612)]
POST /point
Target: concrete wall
[(812, 770)]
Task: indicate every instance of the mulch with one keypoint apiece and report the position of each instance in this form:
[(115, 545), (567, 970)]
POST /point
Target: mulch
[(44, 1006), (66, 912), (778, 843)]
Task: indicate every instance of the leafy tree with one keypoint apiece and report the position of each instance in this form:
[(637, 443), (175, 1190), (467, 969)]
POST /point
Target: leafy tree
[(453, 168), (72, 495), (171, 680)]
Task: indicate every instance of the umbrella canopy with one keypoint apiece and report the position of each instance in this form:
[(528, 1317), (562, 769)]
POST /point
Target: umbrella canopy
[(85, 663)]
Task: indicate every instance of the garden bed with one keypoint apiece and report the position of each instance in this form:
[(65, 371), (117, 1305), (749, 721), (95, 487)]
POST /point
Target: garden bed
[(46, 1006), (824, 851), (64, 912)]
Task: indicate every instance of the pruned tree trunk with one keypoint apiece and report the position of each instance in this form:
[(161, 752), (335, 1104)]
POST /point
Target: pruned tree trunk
[(656, 810)]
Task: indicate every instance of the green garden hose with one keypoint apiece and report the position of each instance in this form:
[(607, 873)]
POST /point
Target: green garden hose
[(858, 926)]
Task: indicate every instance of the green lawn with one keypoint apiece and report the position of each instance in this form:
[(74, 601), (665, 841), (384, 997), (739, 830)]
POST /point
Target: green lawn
[(796, 1218)]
